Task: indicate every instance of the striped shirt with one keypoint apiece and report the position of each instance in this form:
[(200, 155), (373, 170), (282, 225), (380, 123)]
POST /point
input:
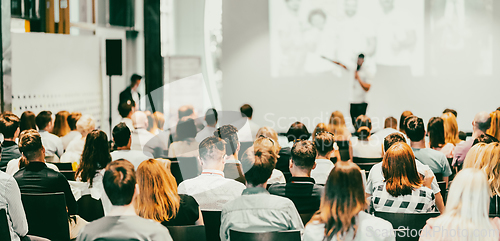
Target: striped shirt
[(420, 200)]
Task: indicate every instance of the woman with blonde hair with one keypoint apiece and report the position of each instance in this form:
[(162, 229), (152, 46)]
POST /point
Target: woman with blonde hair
[(269, 133), (341, 134), (450, 128), (61, 127), (158, 198), (466, 213), (341, 215), (73, 153), (495, 125)]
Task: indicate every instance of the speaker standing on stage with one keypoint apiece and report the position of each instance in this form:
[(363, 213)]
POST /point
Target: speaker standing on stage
[(131, 92), (361, 85)]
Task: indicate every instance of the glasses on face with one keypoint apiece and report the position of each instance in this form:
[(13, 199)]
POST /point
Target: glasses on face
[(272, 141)]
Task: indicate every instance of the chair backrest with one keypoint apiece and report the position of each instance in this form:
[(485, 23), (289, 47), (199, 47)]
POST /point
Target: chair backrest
[(406, 222), (175, 169), (63, 166), (52, 159), (212, 221), (190, 167), (234, 171), (366, 163), (187, 233), (46, 215), (288, 235), (89, 208), (243, 147), (306, 217), (69, 175), (4, 226)]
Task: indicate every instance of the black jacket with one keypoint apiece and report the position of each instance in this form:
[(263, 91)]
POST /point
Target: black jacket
[(36, 177), (10, 150), (127, 95)]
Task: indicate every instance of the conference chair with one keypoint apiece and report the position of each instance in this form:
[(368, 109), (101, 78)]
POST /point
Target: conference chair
[(406, 225), (366, 163), (212, 221), (187, 233), (175, 169), (64, 166), (234, 171), (46, 215), (89, 208), (288, 235), (495, 206), (52, 159), (4, 226)]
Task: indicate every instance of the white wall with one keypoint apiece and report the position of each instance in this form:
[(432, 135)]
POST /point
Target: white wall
[(56, 72), (278, 102)]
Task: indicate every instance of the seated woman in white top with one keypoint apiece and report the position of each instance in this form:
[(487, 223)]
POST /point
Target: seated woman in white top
[(435, 128), (186, 146), (268, 132), (90, 172), (75, 148), (403, 190), (466, 211), (341, 215), (364, 146)]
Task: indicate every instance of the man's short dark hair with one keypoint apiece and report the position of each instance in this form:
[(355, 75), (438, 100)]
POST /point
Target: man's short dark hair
[(415, 129), (9, 123), (119, 182), (229, 134), (324, 143), (184, 111), (391, 122), (186, 129), (297, 131), (125, 108), (30, 144), (304, 154), (393, 139), (73, 119), (258, 163), (211, 116), (454, 112), (43, 119), (361, 56), (134, 78), (211, 145), (246, 110), (462, 135), (121, 135)]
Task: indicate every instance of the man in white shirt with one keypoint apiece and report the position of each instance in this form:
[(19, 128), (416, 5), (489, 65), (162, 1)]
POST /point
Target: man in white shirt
[(211, 117), (376, 177), (390, 126), (10, 201), (325, 147), (123, 140), (248, 131), (211, 189), (52, 143), (140, 135)]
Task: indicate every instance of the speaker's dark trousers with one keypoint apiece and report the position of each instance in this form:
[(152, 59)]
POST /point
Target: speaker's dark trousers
[(357, 110)]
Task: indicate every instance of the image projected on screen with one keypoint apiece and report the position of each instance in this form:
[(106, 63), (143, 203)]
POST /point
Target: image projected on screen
[(387, 32)]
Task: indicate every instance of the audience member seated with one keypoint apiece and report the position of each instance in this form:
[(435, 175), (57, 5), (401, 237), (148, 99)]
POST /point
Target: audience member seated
[(402, 121), (89, 174), (256, 210), (403, 191), (186, 146), (9, 127), (297, 131), (15, 164), (122, 223), (341, 134), (211, 189), (74, 133), (450, 128), (52, 144), (324, 142), (123, 140), (437, 141), (466, 211), (436, 160), (249, 129), (495, 125), (363, 145), (36, 177), (277, 176), (186, 112), (140, 134), (27, 121), (301, 188), (158, 123), (376, 175), (390, 125), (158, 198), (341, 215), (486, 157), (481, 123), (229, 134), (126, 110), (320, 128), (10, 200), (61, 127), (74, 151), (211, 118)]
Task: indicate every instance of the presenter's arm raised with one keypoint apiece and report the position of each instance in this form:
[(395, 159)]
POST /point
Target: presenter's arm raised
[(335, 62), (363, 84)]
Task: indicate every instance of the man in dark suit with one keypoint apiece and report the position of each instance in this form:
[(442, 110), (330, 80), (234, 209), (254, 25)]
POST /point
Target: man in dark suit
[(131, 93)]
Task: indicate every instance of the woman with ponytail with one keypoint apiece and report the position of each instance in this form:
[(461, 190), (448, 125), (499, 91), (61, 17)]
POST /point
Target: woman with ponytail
[(364, 145)]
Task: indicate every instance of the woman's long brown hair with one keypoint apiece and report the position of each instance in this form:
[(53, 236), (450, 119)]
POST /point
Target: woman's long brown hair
[(61, 126), (343, 199), (400, 170)]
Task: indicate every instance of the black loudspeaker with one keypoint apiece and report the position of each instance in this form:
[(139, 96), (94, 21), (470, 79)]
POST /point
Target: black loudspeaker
[(113, 57), (121, 13)]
